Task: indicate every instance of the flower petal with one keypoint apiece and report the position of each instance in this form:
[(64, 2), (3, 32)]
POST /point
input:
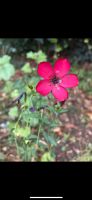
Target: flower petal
[(43, 87), (69, 81), (61, 67), (45, 70), (59, 93)]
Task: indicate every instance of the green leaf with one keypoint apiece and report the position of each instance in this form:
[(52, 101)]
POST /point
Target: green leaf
[(22, 132), (37, 56), (13, 112), (47, 157), (52, 109), (15, 93), (8, 87), (50, 139), (34, 80), (58, 48), (59, 111), (53, 40), (33, 137), (56, 110), (86, 40), (34, 121), (41, 57), (31, 55), (4, 59), (6, 71), (10, 125), (26, 68)]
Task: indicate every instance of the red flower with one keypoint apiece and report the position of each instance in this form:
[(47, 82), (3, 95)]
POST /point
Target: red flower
[(56, 79)]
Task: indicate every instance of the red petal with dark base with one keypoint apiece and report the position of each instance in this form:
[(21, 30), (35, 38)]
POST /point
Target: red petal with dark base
[(43, 87), (69, 81), (61, 67), (45, 70), (59, 93)]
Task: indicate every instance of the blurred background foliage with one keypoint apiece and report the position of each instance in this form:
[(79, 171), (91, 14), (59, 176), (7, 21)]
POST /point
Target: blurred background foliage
[(77, 49)]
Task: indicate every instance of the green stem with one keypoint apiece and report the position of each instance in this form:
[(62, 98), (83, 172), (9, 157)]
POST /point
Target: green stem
[(26, 149), (18, 152), (39, 128), (17, 147), (18, 121), (31, 100)]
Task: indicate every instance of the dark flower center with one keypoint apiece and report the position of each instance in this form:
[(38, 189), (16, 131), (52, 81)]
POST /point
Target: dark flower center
[(55, 80)]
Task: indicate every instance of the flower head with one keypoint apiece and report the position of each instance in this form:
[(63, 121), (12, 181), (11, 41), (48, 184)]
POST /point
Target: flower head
[(32, 109), (56, 79)]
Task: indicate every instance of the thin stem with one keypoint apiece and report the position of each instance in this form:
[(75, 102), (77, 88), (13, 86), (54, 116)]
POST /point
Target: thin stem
[(18, 152), (31, 100), (18, 121), (39, 128), (17, 147), (26, 149)]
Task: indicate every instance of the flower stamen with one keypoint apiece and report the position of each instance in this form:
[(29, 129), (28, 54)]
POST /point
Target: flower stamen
[(55, 80)]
